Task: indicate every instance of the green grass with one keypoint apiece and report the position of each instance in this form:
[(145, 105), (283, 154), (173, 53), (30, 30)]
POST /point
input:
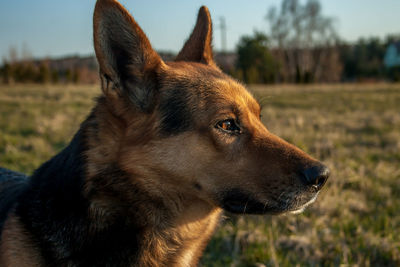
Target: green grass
[(354, 129)]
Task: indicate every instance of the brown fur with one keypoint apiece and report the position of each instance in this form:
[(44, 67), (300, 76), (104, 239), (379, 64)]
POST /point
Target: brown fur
[(156, 153), (16, 247)]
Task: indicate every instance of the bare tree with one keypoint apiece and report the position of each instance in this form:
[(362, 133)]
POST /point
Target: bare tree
[(13, 54), (305, 40)]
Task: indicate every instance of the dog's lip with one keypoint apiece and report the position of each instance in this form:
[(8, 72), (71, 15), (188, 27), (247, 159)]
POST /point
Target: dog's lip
[(255, 208), (244, 204), (249, 206)]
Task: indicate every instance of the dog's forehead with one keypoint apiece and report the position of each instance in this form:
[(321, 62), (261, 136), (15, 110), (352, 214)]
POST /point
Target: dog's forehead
[(191, 73), (235, 93), (208, 82)]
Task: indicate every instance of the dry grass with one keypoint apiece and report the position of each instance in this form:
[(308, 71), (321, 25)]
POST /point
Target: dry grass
[(38, 121), (355, 129)]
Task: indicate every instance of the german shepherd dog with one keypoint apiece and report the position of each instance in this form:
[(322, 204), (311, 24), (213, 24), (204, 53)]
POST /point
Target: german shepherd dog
[(167, 147)]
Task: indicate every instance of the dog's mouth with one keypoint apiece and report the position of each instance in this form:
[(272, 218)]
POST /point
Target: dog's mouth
[(239, 202)]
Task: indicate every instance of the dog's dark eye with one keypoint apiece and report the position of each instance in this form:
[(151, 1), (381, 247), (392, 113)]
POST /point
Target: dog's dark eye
[(228, 126)]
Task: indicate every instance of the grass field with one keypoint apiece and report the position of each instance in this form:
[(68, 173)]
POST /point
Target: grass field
[(354, 129)]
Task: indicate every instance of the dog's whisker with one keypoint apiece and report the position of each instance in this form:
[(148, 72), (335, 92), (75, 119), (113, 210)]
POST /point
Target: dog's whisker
[(245, 207), (265, 205)]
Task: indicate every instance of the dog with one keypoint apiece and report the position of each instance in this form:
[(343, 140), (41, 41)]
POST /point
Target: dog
[(167, 147)]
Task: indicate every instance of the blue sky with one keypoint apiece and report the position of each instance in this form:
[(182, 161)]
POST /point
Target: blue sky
[(60, 27)]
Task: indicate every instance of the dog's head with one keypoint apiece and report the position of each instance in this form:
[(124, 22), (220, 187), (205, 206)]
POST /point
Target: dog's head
[(184, 128)]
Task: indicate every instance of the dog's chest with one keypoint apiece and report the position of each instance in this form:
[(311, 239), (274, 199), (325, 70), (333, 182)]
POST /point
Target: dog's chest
[(195, 235)]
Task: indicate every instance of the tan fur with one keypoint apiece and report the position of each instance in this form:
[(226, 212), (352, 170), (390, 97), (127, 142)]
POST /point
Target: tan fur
[(16, 247), (182, 243), (191, 227)]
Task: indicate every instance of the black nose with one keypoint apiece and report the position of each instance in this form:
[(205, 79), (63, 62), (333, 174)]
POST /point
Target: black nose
[(316, 176)]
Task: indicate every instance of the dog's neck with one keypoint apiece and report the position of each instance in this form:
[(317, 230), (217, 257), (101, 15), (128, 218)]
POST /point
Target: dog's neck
[(94, 224)]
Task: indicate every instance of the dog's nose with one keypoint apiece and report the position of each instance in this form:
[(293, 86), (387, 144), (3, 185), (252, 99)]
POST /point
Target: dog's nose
[(316, 176)]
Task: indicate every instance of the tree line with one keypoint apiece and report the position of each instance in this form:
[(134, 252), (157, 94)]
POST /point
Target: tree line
[(27, 72), (302, 46), (23, 69), (361, 61)]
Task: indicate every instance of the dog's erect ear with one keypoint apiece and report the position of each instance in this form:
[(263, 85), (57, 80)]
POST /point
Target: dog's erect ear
[(198, 48), (125, 55)]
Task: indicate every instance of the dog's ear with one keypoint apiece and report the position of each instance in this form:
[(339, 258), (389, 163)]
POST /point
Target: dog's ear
[(128, 63), (198, 48)]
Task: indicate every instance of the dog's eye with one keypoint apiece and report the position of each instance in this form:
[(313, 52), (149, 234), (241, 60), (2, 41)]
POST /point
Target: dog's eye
[(229, 125)]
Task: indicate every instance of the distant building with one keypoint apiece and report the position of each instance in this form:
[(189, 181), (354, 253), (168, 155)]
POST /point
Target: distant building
[(392, 55)]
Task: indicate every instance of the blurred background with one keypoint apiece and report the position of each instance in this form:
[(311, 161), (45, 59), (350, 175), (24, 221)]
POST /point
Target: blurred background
[(326, 72)]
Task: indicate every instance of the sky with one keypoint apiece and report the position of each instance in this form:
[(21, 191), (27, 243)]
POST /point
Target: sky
[(56, 28)]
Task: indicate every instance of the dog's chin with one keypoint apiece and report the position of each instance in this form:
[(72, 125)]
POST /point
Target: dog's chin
[(304, 206), (238, 202)]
